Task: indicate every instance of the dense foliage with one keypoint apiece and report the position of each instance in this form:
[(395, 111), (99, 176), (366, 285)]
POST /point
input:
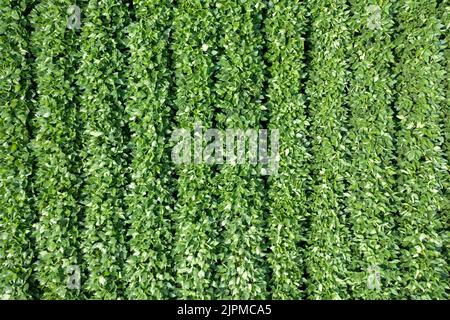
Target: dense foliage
[(104, 149), (148, 271), (56, 144), (16, 92), (328, 243), (287, 190), (93, 206), (421, 173), (371, 183)]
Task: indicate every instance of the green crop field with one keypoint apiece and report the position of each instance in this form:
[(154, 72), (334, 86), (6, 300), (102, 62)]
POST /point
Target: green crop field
[(118, 179)]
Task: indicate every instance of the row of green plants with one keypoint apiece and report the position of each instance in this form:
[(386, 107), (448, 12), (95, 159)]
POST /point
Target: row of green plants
[(241, 271), (16, 250), (104, 152), (87, 182), (422, 223), (149, 196), (55, 145), (285, 31), (370, 182), (196, 217), (327, 254)]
